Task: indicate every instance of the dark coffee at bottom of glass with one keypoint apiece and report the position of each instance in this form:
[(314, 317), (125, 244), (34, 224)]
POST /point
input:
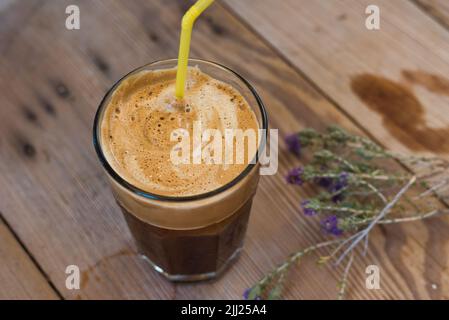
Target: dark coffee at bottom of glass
[(202, 252)]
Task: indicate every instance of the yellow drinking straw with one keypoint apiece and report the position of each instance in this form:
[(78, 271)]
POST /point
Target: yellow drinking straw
[(184, 46)]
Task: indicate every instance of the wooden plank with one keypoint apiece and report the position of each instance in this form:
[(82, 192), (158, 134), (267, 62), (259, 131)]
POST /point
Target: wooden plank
[(439, 9), (391, 81), (56, 196), (406, 59), (19, 276)]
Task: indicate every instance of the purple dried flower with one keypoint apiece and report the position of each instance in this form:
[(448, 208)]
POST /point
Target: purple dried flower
[(341, 183), (324, 182), (293, 144), (330, 225), (338, 197), (307, 210), (294, 176), (247, 293)]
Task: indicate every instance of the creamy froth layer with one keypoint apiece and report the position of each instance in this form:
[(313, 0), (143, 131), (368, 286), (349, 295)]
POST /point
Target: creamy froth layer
[(143, 113)]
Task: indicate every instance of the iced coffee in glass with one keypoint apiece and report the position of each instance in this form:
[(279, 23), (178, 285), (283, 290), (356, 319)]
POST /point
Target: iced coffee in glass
[(188, 215)]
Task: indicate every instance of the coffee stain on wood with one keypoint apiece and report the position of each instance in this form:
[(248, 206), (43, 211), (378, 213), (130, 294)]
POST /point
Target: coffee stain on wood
[(153, 37), (100, 63), (216, 28), (29, 114), (23, 146), (402, 112), (46, 105), (61, 89), (28, 150), (432, 82), (87, 273)]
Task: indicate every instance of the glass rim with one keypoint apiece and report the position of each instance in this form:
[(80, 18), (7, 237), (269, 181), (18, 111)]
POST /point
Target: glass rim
[(153, 196)]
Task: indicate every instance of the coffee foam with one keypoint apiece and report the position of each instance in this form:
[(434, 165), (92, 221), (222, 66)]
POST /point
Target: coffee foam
[(141, 115)]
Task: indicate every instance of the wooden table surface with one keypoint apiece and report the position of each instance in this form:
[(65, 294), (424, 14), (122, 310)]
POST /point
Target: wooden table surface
[(310, 62)]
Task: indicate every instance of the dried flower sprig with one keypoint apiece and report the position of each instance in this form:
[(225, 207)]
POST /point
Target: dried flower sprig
[(358, 186)]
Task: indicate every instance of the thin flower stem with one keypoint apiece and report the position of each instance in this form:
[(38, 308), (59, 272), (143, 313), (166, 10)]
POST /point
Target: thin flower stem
[(405, 219), (427, 176), (433, 189), (410, 202), (345, 162), (299, 254), (346, 209), (421, 159), (344, 280), (382, 177), (336, 193), (341, 245), (375, 190), (365, 248), (369, 193), (275, 292), (364, 176), (294, 257), (382, 214), (414, 160), (413, 218)]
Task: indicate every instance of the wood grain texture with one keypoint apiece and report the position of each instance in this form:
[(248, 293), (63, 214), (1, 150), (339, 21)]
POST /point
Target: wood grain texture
[(439, 9), (408, 57), (56, 196), (19, 276), (390, 81)]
